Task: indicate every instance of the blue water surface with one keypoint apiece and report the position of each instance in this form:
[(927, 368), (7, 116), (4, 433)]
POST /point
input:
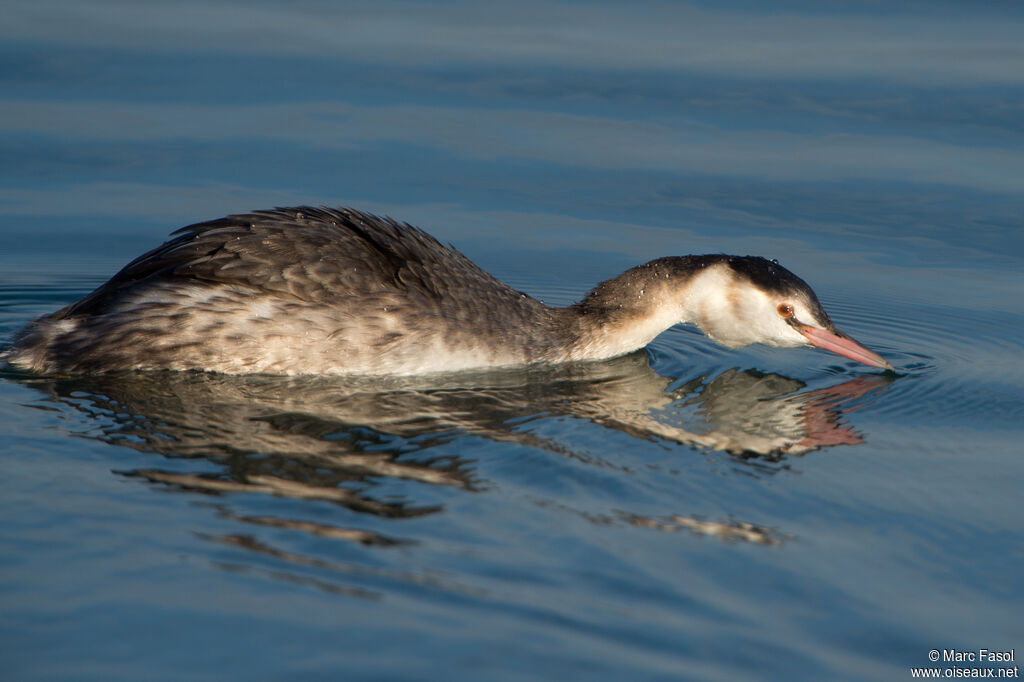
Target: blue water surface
[(686, 512)]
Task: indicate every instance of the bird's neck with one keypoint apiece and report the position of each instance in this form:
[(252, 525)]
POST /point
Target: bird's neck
[(625, 313)]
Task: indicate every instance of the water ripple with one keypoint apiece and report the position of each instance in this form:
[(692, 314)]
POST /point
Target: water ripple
[(962, 365)]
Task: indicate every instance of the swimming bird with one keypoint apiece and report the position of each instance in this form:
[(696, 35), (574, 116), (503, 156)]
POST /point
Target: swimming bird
[(339, 291)]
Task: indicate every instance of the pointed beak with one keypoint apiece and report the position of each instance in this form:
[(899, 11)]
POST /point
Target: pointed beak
[(842, 344)]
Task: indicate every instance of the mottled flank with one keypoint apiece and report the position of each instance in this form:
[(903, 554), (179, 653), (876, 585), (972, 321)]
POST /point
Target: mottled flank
[(338, 291)]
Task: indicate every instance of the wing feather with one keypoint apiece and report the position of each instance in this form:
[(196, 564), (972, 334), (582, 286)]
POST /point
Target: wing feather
[(311, 254)]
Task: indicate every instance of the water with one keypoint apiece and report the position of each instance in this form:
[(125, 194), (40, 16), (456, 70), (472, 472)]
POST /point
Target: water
[(687, 512)]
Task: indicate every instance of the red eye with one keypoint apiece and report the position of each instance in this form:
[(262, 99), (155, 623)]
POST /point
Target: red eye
[(785, 309)]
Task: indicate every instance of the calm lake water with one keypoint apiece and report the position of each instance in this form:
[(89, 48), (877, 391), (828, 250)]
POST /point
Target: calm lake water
[(687, 512)]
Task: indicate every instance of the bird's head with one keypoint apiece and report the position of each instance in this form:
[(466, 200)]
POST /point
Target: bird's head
[(740, 300)]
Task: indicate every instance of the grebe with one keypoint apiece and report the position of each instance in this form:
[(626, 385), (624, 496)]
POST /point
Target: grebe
[(338, 291)]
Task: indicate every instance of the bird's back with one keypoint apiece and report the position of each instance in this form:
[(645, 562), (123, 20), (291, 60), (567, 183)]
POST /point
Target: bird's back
[(310, 254)]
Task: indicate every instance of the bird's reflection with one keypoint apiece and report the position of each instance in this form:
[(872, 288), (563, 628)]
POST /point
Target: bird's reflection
[(343, 439)]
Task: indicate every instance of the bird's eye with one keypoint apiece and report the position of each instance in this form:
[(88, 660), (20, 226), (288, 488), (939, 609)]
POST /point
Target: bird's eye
[(785, 309)]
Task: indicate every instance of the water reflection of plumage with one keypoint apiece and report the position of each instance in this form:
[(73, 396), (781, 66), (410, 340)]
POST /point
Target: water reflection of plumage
[(338, 438)]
